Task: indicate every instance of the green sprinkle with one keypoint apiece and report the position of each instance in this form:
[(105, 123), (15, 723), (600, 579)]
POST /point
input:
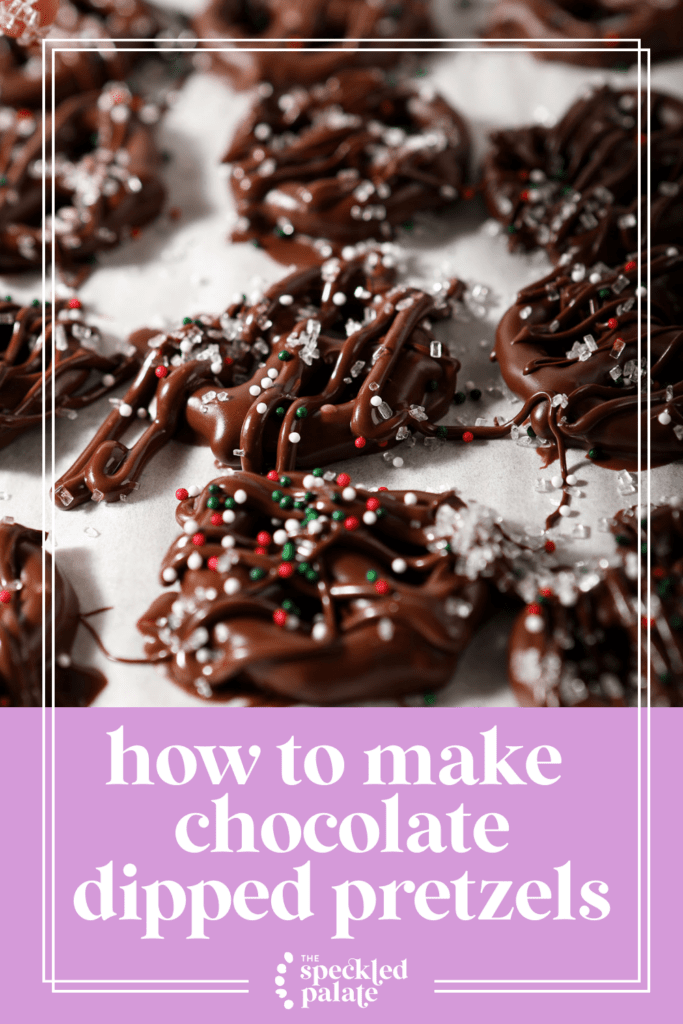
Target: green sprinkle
[(380, 512), (593, 453), (420, 73), (312, 576), (643, 549), (36, 302), (93, 138), (3, 180), (214, 489), (301, 412), (257, 574), (311, 513), (280, 411), (276, 495), (288, 604), (459, 397), (475, 394), (317, 472), (230, 502), (665, 677), (309, 496), (621, 539), (288, 551), (255, 242), (511, 229), (430, 699), (187, 320), (284, 356), (299, 504), (8, 298), (531, 432), (335, 497), (286, 502), (447, 548), (285, 481), (372, 575), (303, 568), (408, 225), (604, 293), (676, 622), (664, 587), (442, 432), (213, 503), (338, 515)]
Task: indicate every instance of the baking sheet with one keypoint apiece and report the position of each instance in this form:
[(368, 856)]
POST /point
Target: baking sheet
[(112, 553)]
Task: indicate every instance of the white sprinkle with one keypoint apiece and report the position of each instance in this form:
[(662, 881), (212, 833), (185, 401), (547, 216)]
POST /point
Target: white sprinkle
[(348, 494), (193, 491), (255, 390), (266, 383), (63, 660), (141, 413), (399, 565), (294, 437), (125, 409), (397, 462), (665, 418), (169, 575), (410, 498), (186, 346), (564, 511), (262, 407), (231, 586), (319, 631), (280, 536), (228, 542), (286, 300), (369, 517), (272, 373), (240, 497), (191, 526), (292, 526), (339, 298), (556, 481), (309, 481), (228, 516), (534, 623), (385, 628), (572, 480), (375, 400), (194, 561), (315, 526), (108, 380)]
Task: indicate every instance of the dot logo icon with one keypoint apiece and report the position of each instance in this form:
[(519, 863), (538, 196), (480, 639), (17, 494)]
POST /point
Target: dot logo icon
[(280, 990)]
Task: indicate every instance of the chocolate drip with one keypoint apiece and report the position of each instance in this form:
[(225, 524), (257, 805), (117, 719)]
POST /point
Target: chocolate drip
[(573, 188), (79, 374), (21, 616), (267, 22), (659, 27), (574, 336), (580, 647), (352, 596), (100, 194), (330, 362), (344, 161)]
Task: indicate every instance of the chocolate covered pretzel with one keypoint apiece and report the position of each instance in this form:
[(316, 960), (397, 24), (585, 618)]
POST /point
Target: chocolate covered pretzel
[(273, 41), (22, 587), (330, 362), (573, 338), (347, 160), (573, 188), (657, 23), (309, 588), (106, 179), (76, 370)]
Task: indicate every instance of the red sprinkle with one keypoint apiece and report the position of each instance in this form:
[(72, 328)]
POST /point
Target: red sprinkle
[(229, 360), (161, 371), (612, 323), (213, 563), (644, 620), (524, 195), (199, 539), (658, 572), (181, 494), (382, 587), (468, 436), (360, 442), (382, 444), (351, 523), (631, 265), (216, 519), (24, 112), (5, 596), (285, 570), (279, 616), (546, 592), (135, 232), (533, 609), (550, 546), (273, 475), (264, 538), (74, 303), (372, 504), (260, 551), (343, 479), (382, 488), (468, 193)]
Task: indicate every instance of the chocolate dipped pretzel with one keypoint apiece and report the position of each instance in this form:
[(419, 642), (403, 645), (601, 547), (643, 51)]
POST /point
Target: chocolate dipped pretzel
[(329, 363), (259, 30), (75, 368), (106, 178), (573, 337), (21, 620), (309, 588), (657, 23), (573, 188), (343, 161), (577, 642)]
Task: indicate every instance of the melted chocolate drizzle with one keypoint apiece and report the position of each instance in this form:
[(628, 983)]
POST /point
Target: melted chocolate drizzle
[(330, 362), (343, 161), (353, 596)]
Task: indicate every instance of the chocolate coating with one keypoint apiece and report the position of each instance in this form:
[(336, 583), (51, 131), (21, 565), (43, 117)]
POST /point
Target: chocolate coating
[(578, 644), (266, 22), (657, 23), (21, 616), (79, 374), (574, 337), (356, 600), (81, 70), (344, 161), (573, 188), (330, 362), (106, 180)]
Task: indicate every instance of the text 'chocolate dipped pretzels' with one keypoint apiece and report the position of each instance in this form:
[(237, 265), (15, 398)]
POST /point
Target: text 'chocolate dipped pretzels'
[(573, 188), (330, 362), (21, 621), (312, 589), (574, 336), (343, 161), (105, 178), (571, 25), (75, 368), (256, 29)]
